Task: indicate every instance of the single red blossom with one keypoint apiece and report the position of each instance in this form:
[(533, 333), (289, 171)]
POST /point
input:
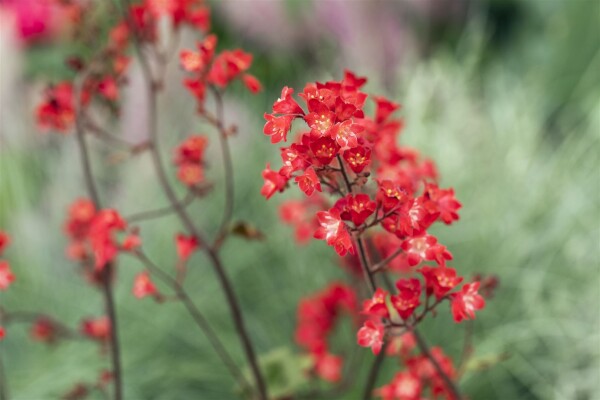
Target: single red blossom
[(308, 182), (131, 242), (371, 335), (445, 201), (425, 247), (2, 332), (346, 134), (199, 18), (191, 150), (252, 83), (186, 245), (440, 280), (143, 286), (108, 88), (358, 158), (227, 66), (286, 104), (190, 174), (320, 120), (57, 110), (408, 297), (359, 207), (351, 80), (44, 330), (191, 61), (293, 158), (412, 218), (4, 241), (404, 386), (334, 232), (328, 367), (197, 88), (466, 302), (96, 328), (384, 108), (6, 275), (273, 182), (324, 149), (278, 127), (376, 305), (120, 64), (390, 195)]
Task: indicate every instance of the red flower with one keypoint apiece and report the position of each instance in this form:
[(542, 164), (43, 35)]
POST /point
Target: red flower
[(390, 195), (308, 182), (320, 120), (131, 242), (273, 182), (329, 367), (384, 108), (334, 232), (408, 297), (4, 241), (358, 207), (97, 328), (186, 245), (190, 174), (2, 332), (404, 386), (466, 302), (440, 280), (425, 247), (278, 127), (293, 158), (285, 104), (376, 306), (44, 330), (358, 158), (227, 66), (143, 286), (108, 88), (191, 150), (6, 275), (346, 134), (445, 202), (371, 335), (252, 83), (325, 149), (57, 110)]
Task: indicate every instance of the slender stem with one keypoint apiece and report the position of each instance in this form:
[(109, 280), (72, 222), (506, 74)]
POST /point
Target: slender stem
[(373, 372), (198, 318), (3, 384), (115, 352), (185, 218), (380, 265), (219, 122), (160, 212)]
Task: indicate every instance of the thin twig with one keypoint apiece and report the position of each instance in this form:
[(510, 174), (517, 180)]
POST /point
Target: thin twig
[(197, 316), (161, 212), (115, 352)]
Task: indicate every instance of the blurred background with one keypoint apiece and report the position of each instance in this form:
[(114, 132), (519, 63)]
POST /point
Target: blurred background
[(503, 94)]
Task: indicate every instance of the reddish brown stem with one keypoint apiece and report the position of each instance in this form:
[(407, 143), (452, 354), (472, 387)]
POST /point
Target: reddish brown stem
[(115, 352)]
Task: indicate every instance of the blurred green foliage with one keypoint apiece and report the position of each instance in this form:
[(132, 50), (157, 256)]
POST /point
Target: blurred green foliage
[(513, 122)]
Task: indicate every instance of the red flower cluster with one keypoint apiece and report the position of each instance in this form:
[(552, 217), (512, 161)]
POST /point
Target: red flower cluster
[(420, 376), (387, 199), (317, 316), (217, 70), (6, 275), (189, 158), (93, 234), (96, 328)]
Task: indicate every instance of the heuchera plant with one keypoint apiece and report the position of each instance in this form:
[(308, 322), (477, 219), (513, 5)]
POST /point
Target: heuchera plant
[(98, 234), (373, 201)]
